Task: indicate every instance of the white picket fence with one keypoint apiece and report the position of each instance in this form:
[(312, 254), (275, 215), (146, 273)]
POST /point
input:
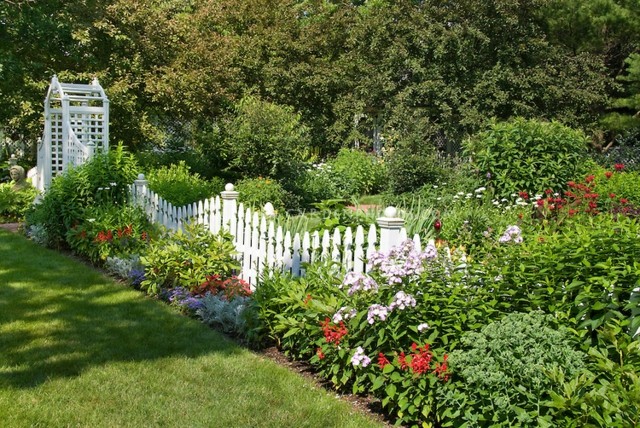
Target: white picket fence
[(261, 245)]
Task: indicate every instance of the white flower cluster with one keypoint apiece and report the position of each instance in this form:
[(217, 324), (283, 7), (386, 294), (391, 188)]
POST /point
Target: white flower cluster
[(402, 261), (377, 311), (343, 314), (512, 234), (402, 300), (359, 358), (358, 282)]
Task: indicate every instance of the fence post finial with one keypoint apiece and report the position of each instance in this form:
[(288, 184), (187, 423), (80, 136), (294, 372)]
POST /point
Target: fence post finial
[(229, 207), (390, 226)]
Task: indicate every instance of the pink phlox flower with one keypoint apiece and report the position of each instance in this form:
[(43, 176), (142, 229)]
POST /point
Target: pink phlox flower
[(402, 300), (359, 282), (377, 311), (401, 262), (513, 233), (343, 314), (359, 358)]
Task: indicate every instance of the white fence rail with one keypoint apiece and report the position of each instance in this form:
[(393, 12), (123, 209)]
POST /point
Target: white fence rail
[(263, 245)]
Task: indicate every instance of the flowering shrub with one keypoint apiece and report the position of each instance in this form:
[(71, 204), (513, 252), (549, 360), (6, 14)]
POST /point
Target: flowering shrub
[(102, 181), (186, 258), (584, 273), (228, 288), (107, 231), (384, 332)]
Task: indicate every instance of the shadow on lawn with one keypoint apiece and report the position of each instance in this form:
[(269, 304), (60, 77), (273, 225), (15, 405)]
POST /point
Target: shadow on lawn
[(58, 318)]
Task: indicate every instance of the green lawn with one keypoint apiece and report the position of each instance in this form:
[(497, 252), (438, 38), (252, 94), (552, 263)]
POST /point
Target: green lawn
[(77, 349)]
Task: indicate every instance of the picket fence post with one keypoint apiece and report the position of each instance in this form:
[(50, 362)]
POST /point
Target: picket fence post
[(140, 186), (391, 228), (229, 208)]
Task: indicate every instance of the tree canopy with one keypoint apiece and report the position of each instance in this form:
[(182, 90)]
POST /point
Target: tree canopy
[(418, 71)]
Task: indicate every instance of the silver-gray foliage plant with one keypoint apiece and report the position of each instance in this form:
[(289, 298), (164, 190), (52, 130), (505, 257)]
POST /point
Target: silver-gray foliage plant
[(121, 266), (225, 314)]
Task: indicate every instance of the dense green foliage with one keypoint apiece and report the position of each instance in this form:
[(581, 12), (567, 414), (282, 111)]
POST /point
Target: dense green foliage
[(502, 370), (528, 155), (405, 71), (103, 181), (186, 258), (14, 203), (256, 192), (178, 186)]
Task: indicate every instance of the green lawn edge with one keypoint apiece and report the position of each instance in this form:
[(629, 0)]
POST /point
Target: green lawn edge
[(78, 349)]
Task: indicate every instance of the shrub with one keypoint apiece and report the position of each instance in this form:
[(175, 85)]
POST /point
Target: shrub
[(499, 376), (527, 155), (355, 173), (410, 168), (316, 184), (111, 231), (585, 272), (266, 139), (14, 204), (178, 186), (257, 192), (186, 258), (103, 180)]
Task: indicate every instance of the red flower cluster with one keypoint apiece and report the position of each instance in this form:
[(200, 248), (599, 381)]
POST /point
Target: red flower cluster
[(127, 231), (104, 236), (524, 195), (333, 333), (442, 370), (382, 361), (420, 359), (420, 362), (619, 166), (228, 288), (320, 354)]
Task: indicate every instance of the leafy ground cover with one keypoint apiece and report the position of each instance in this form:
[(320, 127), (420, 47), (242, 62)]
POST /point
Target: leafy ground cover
[(78, 349)]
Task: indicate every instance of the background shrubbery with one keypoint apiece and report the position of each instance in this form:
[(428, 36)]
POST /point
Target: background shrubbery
[(528, 155), (179, 186)]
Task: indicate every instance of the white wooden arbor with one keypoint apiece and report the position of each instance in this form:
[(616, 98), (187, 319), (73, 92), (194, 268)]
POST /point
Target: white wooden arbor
[(76, 125)]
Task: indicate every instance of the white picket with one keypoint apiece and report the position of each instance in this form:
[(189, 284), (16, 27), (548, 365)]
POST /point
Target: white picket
[(347, 251), (296, 257), (259, 244), (335, 245), (358, 253), (286, 252)]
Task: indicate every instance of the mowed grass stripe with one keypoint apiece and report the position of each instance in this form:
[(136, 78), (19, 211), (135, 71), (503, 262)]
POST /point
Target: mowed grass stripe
[(77, 349)]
